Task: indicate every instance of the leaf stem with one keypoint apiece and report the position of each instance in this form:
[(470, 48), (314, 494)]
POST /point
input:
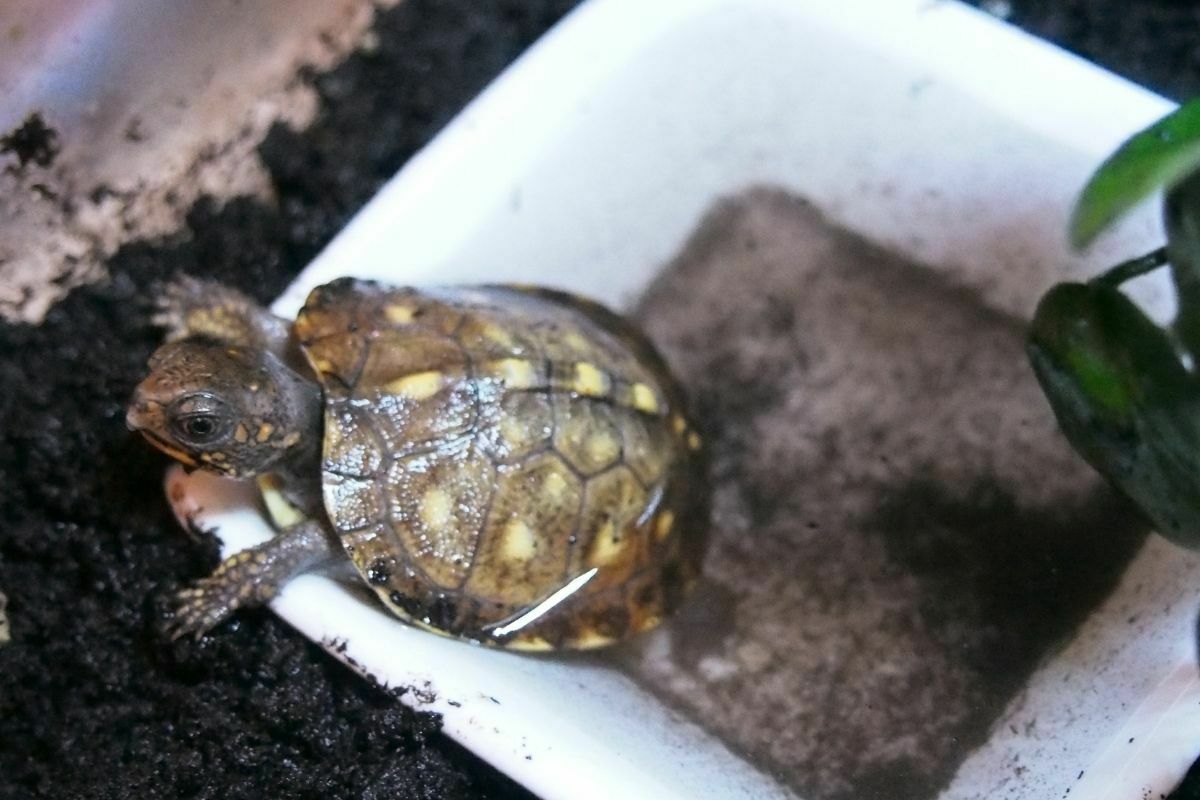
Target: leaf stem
[(1133, 268)]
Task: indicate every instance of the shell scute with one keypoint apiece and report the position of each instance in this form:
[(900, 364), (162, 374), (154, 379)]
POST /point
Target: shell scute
[(437, 503)]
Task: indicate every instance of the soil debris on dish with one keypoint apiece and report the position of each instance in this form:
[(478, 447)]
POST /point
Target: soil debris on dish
[(900, 533), (32, 142)]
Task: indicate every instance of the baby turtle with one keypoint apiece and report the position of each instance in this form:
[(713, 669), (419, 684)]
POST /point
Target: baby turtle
[(510, 465)]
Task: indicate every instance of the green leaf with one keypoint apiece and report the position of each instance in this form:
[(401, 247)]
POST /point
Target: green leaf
[(1157, 157), (1123, 399)]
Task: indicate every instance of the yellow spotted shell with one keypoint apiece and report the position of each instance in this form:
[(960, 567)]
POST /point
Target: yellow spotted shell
[(505, 464)]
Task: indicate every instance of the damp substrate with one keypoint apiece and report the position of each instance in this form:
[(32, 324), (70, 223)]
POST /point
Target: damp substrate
[(95, 702)]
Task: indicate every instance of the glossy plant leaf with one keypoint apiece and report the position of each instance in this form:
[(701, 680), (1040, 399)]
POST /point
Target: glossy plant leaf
[(1123, 400), (1158, 157)]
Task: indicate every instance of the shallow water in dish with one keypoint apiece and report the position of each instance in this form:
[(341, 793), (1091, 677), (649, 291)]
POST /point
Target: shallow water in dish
[(900, 533)]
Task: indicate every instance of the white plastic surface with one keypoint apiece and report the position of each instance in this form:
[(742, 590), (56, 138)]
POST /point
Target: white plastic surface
[(923, 125)]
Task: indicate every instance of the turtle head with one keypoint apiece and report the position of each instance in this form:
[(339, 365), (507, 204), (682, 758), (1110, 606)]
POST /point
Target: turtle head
[(237, 411)]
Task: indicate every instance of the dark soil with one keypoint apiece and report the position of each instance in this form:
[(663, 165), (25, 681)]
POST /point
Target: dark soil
[(94, 703), (94, 700), (1156, 43), (33, 141), (1190, 788)]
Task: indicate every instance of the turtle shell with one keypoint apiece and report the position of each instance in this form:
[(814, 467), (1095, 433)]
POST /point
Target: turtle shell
[(509, 465)]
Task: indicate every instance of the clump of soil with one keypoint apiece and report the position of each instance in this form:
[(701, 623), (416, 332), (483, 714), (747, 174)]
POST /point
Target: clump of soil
[(34, 141), (900, 533), (94, 700)]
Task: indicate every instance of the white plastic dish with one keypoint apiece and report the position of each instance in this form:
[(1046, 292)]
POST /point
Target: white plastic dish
[(585, 166)]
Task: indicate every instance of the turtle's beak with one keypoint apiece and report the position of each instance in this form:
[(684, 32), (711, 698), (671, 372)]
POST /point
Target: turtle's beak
[(146, 417), (136, 417), (144, 414)]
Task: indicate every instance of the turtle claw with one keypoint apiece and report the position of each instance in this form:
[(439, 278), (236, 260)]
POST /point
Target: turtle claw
[(187, 306), (176, 303), (246, 578), (201, 607)]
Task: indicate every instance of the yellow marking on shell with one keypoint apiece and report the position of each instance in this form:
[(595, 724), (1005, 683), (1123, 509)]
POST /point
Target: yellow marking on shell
[(291, 439), (662, 528), (644, 398), (577, 341), (437, 508), (498, 335), (590, 381), (517, 373), (590, 640), (217, 456), (554, 484), (514, 431), (694, 441), (324, 365), (649, 622), (606, 547), (519, 542), (240, 435), (264, 432), (281, 511), (400, 313), (602, 447), (679, 424), (417, 386), (534, 644)]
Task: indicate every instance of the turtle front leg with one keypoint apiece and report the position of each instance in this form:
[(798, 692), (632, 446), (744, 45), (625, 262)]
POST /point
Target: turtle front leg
[(190, 307), (252, 577)]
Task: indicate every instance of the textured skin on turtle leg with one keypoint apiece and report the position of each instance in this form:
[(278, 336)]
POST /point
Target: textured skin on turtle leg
[(252, 577), (189, 307)]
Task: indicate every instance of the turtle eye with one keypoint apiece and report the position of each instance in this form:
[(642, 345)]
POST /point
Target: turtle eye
[(198, 419), (200, 427)]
